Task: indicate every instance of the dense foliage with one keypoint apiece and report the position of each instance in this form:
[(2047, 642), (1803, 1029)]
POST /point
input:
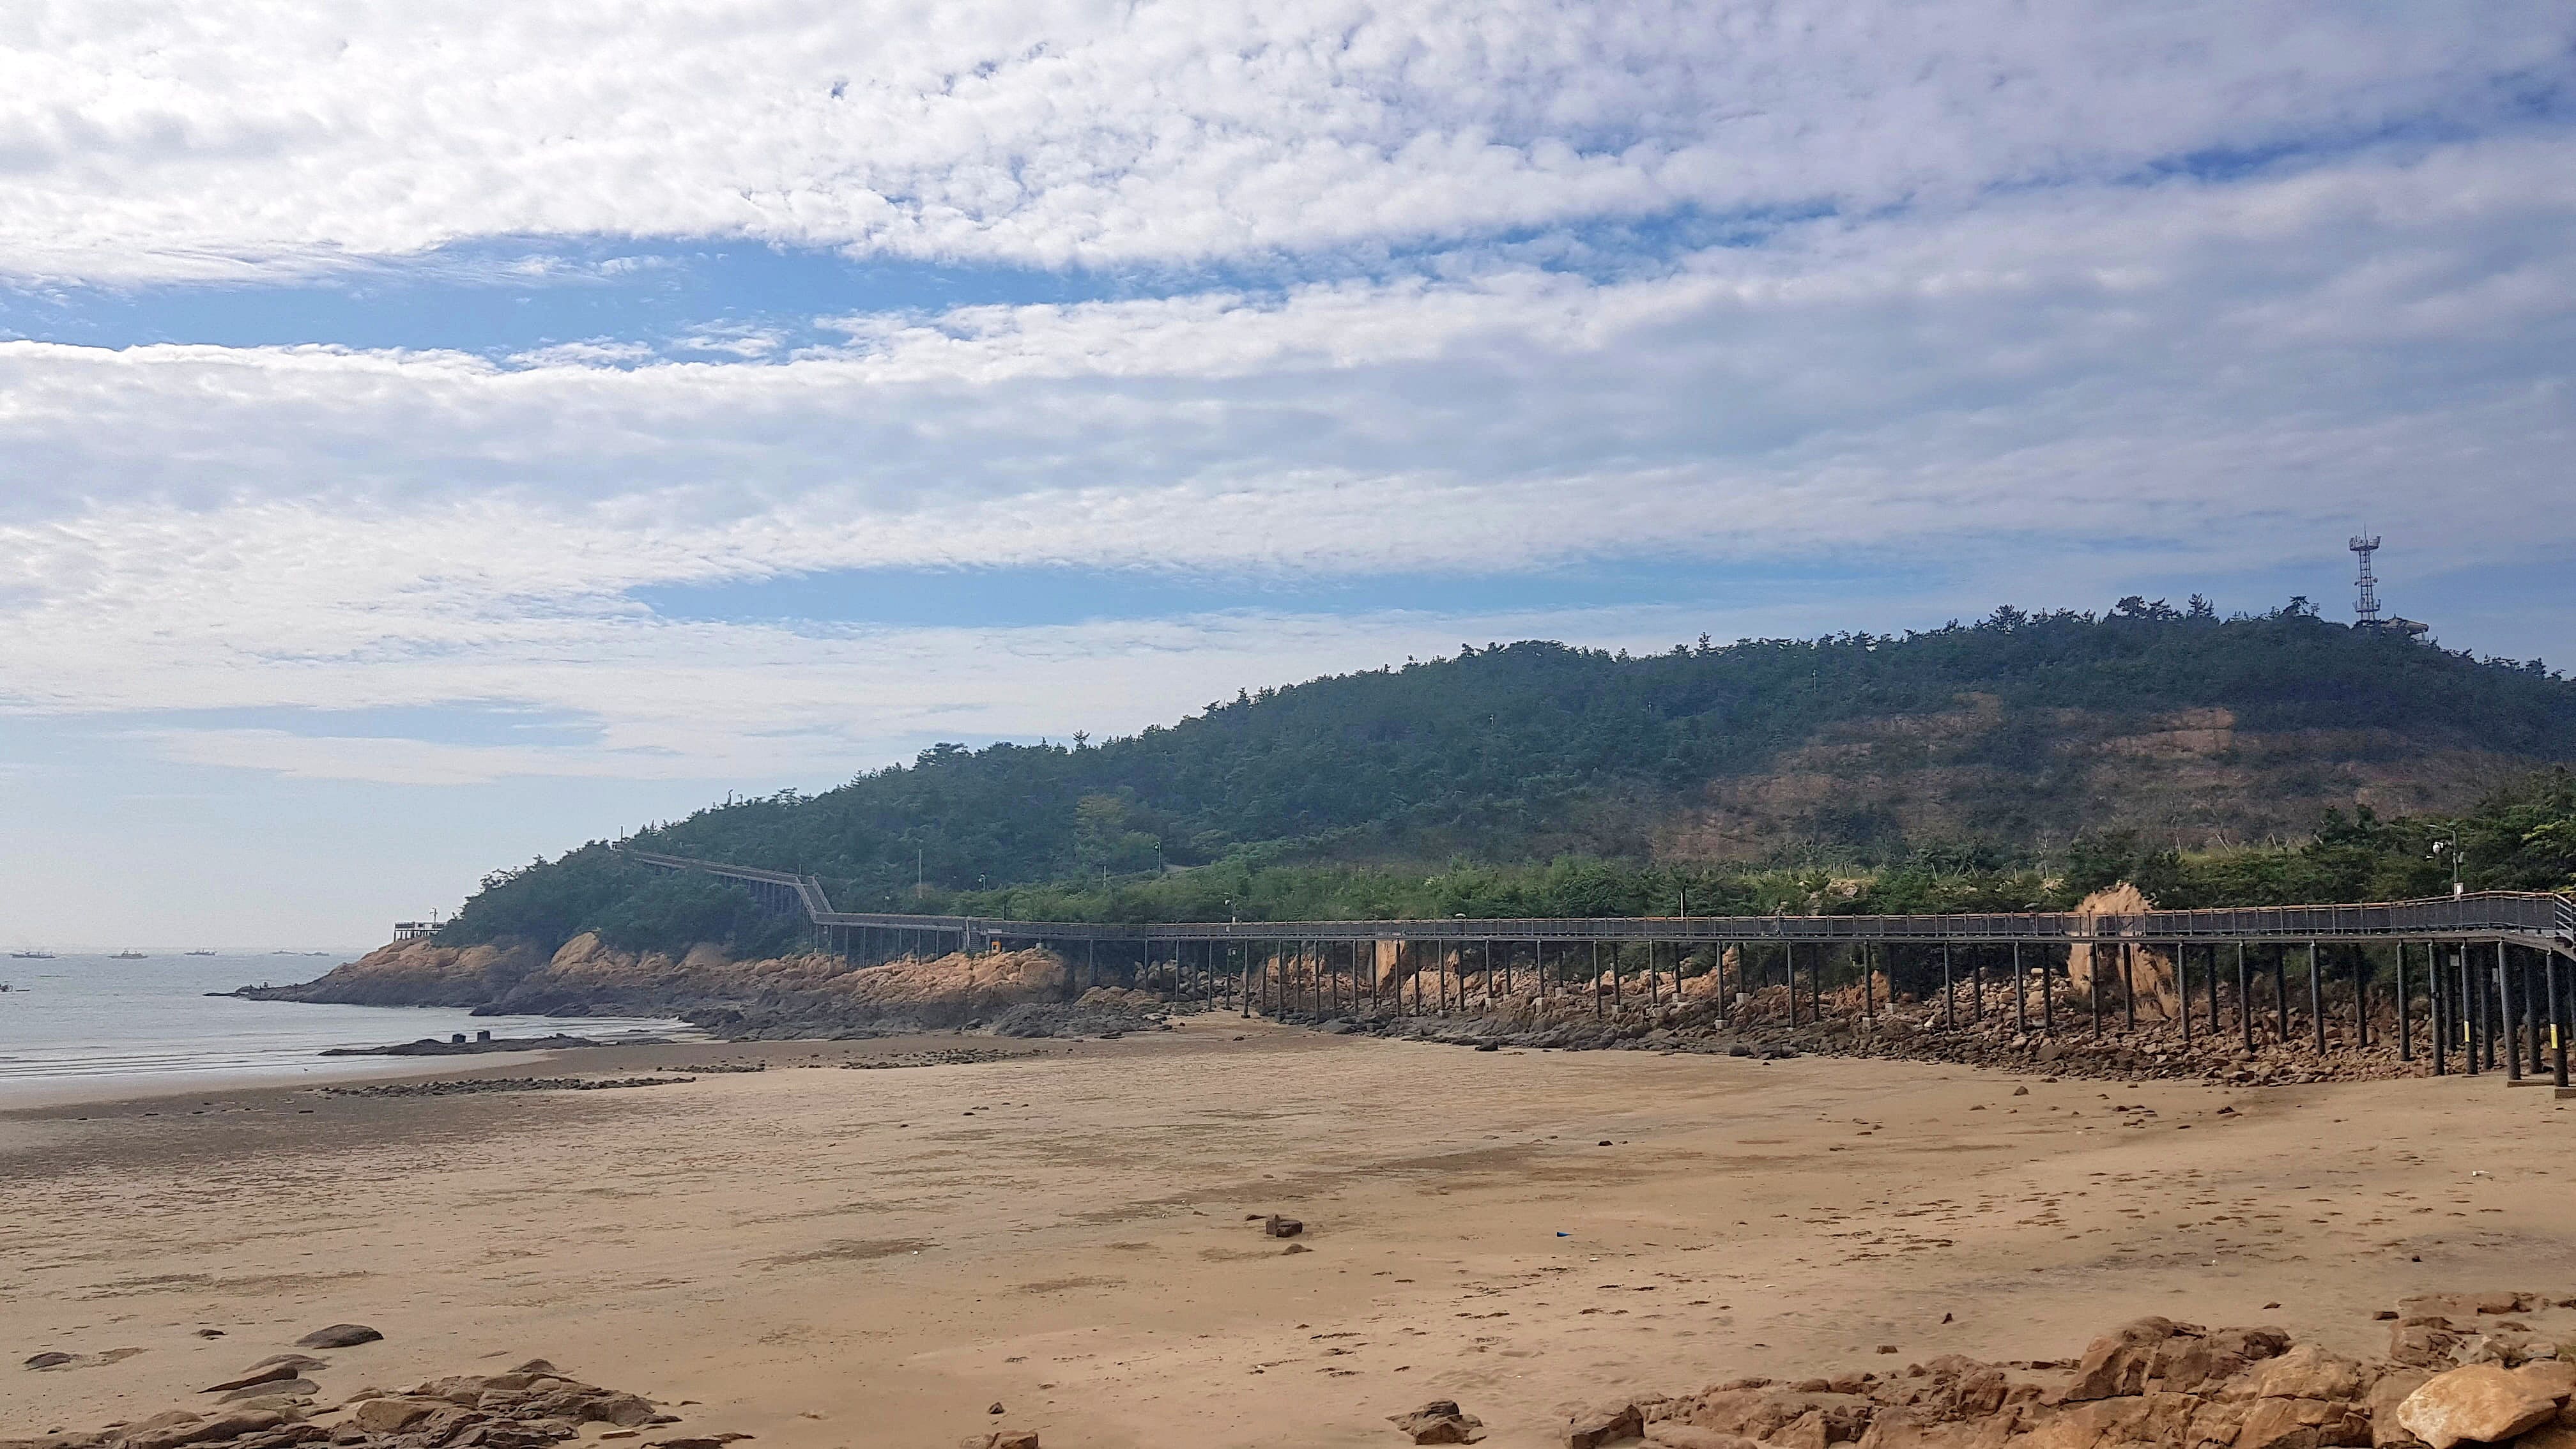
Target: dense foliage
[(1326, 798)]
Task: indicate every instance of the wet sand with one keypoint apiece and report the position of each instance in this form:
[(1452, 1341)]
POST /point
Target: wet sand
[(827, 1257)]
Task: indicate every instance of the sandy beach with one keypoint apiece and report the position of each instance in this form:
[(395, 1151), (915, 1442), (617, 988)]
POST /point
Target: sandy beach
[(820, 1256)]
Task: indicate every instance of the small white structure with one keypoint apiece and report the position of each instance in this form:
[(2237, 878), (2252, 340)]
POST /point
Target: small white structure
[(414, 930)]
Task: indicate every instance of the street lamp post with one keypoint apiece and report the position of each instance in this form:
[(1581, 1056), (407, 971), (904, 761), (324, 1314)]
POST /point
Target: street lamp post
[(2450, 845)]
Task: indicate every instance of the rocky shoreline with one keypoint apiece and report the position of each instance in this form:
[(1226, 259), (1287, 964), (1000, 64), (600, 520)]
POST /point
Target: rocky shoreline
[(2461, 1370), (1021, 994), (1761, 1025), (802, 997)]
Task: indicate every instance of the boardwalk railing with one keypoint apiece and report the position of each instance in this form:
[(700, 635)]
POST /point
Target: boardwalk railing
[(2540, 920)]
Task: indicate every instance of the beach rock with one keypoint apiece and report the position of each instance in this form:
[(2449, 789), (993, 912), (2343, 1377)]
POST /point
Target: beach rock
[(1002, 1439), (48, 1360), (300, 1362), (1279, 1227), (2385, 1395), (279, 1389), (2304, 1372), (2481, 1403), (2301, 1424), (2187, 1361), (626, 1411), (339, 1335), (390, 1416), (2118, 1363), (1598, 1427), (1669, 1435), (232, 1425), (1440, 1421), (274, 1373), (2495, 1302), (2554, 1377), (2425, 1342)]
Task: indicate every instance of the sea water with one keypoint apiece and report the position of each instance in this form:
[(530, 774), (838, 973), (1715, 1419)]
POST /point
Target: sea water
[(76, 1024)]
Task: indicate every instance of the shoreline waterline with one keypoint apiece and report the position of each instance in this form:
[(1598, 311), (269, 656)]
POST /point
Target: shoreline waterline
[(94, 1029)]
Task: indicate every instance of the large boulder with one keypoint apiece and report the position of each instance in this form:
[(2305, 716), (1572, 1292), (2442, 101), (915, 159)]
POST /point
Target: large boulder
[(1440, 1421), (1599, 1428), (2190, 1359), (2120, 1362), (2482, 1403)]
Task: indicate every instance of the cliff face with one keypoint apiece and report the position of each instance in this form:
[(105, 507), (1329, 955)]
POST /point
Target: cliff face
[(588, 978)]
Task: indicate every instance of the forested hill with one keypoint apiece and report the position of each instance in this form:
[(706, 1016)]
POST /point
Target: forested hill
[(2018, 733)]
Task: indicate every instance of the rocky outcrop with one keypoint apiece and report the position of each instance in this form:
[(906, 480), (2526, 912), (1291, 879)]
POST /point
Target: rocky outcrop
[(417, 973), (801, 995), (2147, 971), (2154, 1384), (530, 1407)]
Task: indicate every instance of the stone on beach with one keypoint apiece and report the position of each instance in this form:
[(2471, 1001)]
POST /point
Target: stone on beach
[(2483, 1403), (273, 1373), (2117, 1363), (1598, 1428), (277, 1389), (1440, 1421), (339, 1335)]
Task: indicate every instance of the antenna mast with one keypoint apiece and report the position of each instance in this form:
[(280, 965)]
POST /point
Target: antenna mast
[(2365, 603)]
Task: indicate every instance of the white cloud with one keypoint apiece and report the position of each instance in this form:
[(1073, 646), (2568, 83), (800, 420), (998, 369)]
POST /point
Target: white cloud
[(1919, 308), (2077, 382), (166, 139), (595, 351)]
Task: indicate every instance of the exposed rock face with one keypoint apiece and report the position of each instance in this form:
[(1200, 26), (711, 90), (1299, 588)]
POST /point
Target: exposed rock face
[(811, 994), (418, 973)]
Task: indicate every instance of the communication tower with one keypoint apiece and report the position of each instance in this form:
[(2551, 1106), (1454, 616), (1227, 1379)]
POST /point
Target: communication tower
[(2365, 603), (2365, 596)]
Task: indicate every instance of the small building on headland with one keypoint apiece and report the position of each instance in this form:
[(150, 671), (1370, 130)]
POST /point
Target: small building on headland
[(414, 930)]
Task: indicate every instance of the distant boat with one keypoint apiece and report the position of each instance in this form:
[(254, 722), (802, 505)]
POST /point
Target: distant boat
[(129, 955), (31, 955), (201, 953)]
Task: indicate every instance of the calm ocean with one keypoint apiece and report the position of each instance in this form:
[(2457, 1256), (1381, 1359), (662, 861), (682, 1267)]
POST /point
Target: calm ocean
[(82, 1022)]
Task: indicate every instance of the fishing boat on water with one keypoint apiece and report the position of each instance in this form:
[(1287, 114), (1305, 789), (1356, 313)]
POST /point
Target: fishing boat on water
[(31, 955), (129, 954), (201, 953)]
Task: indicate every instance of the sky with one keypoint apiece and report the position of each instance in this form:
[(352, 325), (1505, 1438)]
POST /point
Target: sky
[(435, 436)]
